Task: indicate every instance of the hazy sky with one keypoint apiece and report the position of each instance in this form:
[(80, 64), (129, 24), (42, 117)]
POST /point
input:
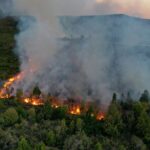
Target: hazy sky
[(131, 7), (139, 8), (88, 7)]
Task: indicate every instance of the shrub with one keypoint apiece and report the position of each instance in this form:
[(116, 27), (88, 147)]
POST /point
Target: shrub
[(10, 116)]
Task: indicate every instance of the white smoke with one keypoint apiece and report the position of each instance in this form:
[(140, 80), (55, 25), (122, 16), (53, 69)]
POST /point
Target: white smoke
[(80, 63)]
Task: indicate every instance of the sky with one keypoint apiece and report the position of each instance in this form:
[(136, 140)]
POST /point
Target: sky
[(139, 8)]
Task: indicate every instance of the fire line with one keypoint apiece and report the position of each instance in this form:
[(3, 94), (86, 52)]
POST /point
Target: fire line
[(74, 108)]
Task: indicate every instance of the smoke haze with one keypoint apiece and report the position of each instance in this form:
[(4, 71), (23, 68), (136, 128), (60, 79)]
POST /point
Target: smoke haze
[(90, 57)]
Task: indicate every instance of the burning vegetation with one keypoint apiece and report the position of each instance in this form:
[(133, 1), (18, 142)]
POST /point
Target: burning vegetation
[(75, 106), (5, 90)]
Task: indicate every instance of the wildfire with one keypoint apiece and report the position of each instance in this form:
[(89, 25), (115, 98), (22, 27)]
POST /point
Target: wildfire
[(100, 116), (6, 87), (33, 101), (55, 103), (74, 107), (75, 110)]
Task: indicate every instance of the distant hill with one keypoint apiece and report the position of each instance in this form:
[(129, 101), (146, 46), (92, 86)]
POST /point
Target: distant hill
[(9, 63), (120, 44)]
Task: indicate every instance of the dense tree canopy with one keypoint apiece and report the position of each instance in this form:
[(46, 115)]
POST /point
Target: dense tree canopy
[(44, 127)]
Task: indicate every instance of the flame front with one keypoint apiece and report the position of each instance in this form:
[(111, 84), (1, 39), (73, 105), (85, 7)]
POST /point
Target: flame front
[(75, 110), (100, 116), (33, 101), (7, 85)]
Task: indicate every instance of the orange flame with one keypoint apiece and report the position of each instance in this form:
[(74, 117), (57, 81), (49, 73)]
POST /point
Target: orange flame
[(100, 116), (75, 110), (33, 101), (4, 91), (74, 107)]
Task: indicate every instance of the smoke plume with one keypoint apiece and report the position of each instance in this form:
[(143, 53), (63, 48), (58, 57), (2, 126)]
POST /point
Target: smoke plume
[(90, 57)]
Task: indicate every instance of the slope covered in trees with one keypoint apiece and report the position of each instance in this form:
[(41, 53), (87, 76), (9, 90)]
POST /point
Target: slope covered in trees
[(24, 127), (126, 126), (9, 63)]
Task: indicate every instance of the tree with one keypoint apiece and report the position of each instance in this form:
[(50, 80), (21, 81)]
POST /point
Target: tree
[(40, 146), (114, 98), (47, 111), (143, 126), (138, 108), (79, 124), (23, 144), (79, 141), (36, 91), (32, 114), (21, 112), (121, 147), (50, 138), (72, 126), (63, 126), (145, 97), (113, 120), (98, 146), (59, 113), (129, 119), (10, 116), (137, 143), (7, 140)]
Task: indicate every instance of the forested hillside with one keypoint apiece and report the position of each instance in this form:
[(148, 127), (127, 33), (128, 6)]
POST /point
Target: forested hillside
[(27, 126), (9, 64), (126, 126)]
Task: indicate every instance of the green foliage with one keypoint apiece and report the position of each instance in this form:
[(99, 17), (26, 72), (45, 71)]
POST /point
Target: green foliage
[(74, 132), (2, 105), (143, 126), (59, 113), (7, 140), (50, 138), (9, 63), (145, 97), (23, 144), (79, 141), (98, 146), (79, 124), (40, 146), (138, 108), (72, 126), (32, 114), (21, 112), (10, 116), (137, 143), (44, 112), (113, 121)]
